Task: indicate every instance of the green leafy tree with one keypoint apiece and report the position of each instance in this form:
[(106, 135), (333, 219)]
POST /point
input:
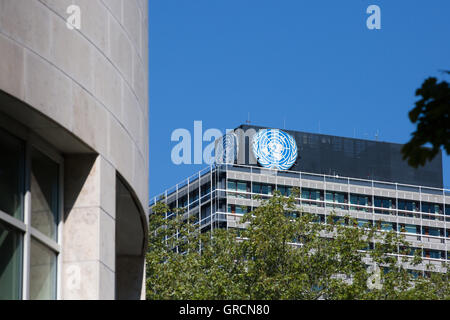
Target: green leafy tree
[(432, 115), (281, 253)]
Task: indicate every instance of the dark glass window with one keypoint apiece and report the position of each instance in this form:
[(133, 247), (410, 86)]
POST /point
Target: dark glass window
[(428, 207), (231, 185), (10, 263), (410, 228), (11, 175), (435, 232), (434, 254), (447, 209), (384, 203), (407, 205), (310, 194), (256, 188), (285, 191)]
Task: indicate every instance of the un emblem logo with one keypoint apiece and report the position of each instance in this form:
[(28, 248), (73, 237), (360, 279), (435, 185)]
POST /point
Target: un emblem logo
[(274, 149)]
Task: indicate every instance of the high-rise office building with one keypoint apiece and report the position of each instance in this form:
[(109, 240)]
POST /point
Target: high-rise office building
[(366, 180), (73, 149)]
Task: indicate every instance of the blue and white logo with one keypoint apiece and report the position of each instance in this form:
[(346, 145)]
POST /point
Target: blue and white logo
[(274, 149), (226, 149)]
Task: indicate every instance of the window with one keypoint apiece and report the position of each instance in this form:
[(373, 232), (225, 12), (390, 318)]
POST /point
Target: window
[(266, 189), (435, 232), (360, 200), (364, 223), (388, 226), (336, 197), (32, 169), (231, 185), (407, 205), (242, 186), (238, 186), (11, 175), (193, 196), (205, 212), (44, 194), (263, 188), (384, 203), (285, 191), (431, 207), (433, 254), (205, 189), (42, 272), (10, 263), (182, 202), (241, 209), (410, 228), (387, 203), (310, 194)]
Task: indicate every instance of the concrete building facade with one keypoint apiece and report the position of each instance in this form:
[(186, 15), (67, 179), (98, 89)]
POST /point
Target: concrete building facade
[(74, 141)]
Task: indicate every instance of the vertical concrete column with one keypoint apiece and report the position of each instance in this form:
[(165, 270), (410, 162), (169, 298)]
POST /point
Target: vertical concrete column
[(88, 254)]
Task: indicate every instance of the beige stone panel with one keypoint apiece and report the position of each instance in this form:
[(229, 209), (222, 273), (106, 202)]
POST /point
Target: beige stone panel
[(108, 187), (144, 35), (89, 119), (81, 234), (72, 53), (115, 6), (11, 68), (81, 184), (94, 22), (132, 22), (107, 283), (132, 116), (140, 82), (27, 22), (121, 50), (107, 240), (121, 149), (80, 280), (144, 134), (146, 142), (107, 85), (48, 90)]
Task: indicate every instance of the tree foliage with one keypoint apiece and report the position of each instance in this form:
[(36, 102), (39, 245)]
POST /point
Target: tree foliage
[(282, 253), (432, 115)]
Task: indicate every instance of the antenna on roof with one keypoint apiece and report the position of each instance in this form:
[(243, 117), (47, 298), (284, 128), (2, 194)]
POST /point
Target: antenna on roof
[(284, 123), (248, 118), (376, 135)]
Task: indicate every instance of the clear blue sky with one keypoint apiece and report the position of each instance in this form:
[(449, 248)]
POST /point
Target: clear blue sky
[(289, 61)]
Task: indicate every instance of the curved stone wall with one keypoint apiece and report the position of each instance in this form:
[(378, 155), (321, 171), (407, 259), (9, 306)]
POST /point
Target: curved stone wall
[(92, 81)]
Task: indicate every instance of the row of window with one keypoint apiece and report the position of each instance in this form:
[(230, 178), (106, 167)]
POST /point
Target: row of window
[(340, 198)]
